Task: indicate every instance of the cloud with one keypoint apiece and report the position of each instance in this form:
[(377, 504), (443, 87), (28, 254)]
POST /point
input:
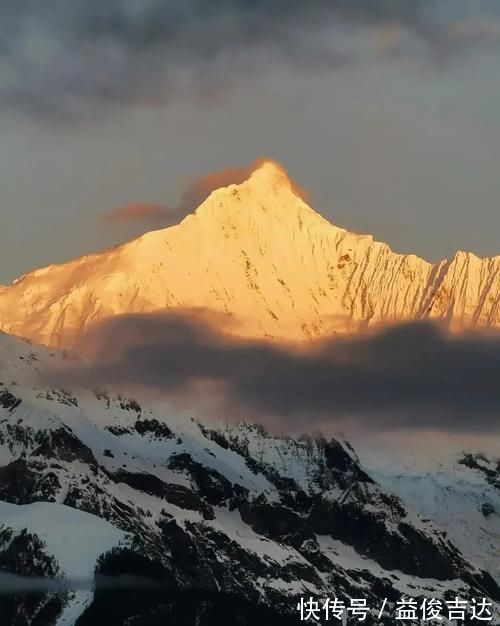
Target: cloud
[(15, 584), (483, 31), (199, 189), (411, 376), (135, 213), (67, 60), (194, 194)]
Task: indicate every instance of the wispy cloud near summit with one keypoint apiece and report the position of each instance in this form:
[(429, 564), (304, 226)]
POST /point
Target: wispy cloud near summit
[(196, 191), (135, 213)]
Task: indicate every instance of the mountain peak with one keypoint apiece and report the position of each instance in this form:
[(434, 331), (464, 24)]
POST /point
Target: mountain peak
[(266, 178), (272, 175), (258, 251), (266, 195), (270, 172)]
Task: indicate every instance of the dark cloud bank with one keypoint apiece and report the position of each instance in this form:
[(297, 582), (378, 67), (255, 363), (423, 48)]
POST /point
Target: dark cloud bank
[(412, 376), (61, 59)]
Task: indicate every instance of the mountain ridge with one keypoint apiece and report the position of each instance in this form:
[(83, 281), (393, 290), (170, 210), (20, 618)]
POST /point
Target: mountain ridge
[(258, 252), (95, 484)]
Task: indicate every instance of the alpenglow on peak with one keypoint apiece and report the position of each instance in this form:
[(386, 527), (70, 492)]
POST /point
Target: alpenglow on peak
[(267, 189), (259, 252)]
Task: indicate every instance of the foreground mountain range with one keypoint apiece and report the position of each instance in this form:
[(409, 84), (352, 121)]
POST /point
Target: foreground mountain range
[(123, 513), (260, 253)]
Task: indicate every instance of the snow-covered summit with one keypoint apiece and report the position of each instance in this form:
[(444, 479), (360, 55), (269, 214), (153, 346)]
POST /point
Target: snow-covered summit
[(258, 251)]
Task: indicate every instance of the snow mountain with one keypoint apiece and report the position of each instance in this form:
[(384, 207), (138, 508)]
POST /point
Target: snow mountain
[(122, 512), (258, 252)]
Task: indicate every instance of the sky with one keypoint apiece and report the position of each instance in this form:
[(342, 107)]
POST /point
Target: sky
[(386, 111)]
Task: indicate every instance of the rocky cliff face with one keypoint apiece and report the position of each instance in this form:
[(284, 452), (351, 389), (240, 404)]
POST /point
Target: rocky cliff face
[(258, 252), (208, 523)]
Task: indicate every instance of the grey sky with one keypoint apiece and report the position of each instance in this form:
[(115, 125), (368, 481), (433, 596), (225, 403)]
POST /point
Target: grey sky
[(395, 130)]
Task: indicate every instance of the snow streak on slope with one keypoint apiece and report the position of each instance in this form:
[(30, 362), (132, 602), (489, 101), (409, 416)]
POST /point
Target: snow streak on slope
[(257, 251), (74, 538), (456, 496)]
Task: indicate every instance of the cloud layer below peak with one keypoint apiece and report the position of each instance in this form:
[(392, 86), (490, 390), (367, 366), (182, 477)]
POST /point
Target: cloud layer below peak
[(414, 376)]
